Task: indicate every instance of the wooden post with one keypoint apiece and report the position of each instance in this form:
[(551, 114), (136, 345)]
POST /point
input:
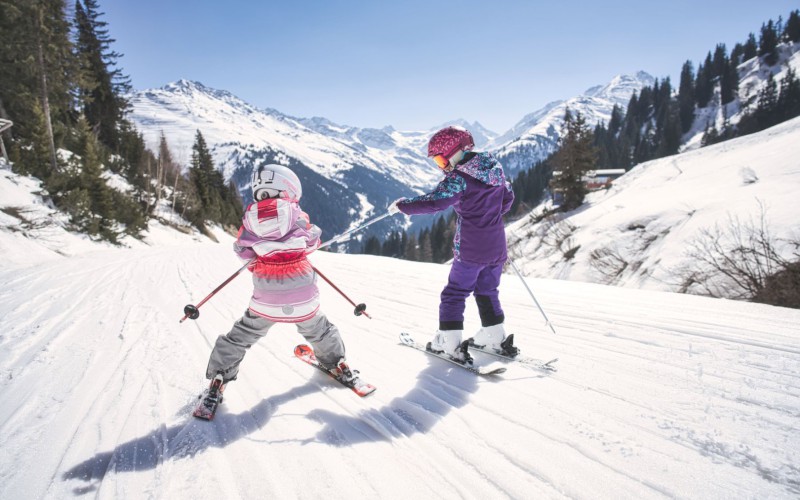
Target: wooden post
[(4, 125)]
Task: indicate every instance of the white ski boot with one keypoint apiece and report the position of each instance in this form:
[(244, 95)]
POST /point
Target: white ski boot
[(494, 338), (449, 342)]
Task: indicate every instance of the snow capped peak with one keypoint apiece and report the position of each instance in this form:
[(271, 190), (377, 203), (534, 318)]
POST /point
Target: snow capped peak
[(621, 87), (184, 85), (537, 134), (480, 134), (190, 87)]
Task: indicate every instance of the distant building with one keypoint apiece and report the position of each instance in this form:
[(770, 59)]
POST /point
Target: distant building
[(594, 180), (601, 179)]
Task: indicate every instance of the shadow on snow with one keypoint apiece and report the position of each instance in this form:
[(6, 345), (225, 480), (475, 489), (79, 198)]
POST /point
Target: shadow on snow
[(439, 390)]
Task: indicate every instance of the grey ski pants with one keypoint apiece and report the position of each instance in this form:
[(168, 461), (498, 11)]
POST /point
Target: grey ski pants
[(230, 349)]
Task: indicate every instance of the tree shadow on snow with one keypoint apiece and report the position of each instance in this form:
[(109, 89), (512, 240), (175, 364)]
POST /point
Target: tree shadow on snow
[(184, 440), (439, 390)]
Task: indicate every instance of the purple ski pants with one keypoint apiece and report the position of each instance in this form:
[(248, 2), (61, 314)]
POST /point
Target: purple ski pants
[(467, 278)]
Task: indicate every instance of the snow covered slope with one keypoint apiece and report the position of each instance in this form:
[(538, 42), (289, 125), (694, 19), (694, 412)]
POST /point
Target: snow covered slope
[(651, 214), (658, 394)]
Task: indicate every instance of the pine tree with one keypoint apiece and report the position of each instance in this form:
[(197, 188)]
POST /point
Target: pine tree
[(765, 113), (750, 48), (439, 243), (662, 104), (686, 97), (101, 200), (202, 175), (737, 54), (215, 201), (425, 249), (32, 155), (167, 174), (791, 32), (135, 158), (768, 44), (669, 140), (719, 61), (232, 205), (103, 86), (35, 77), (788, 104), (768, 103), (372, 246), (81, 190), (393, 245), (704, 83), (411, 251), (575, 156), (729, 83)]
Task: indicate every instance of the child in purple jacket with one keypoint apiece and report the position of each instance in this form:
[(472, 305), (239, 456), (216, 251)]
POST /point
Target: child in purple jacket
[(475, 186)]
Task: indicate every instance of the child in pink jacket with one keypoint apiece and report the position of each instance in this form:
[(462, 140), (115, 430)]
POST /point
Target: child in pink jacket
[(279, 236)]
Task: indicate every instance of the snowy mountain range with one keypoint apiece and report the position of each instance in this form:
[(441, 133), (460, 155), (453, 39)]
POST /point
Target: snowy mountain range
[(536, 136), (349, 173)]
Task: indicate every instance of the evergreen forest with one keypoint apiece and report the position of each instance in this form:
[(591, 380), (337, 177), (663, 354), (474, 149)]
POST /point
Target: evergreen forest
[(63, 89)]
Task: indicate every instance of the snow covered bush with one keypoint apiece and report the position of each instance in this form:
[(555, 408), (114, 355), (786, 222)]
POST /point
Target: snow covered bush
[(742, 261)]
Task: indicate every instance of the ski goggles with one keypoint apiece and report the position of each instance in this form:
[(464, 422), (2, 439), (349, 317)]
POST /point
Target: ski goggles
[(441, 162)]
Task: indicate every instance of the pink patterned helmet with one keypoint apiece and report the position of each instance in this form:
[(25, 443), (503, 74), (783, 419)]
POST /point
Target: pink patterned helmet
[(449, 140)]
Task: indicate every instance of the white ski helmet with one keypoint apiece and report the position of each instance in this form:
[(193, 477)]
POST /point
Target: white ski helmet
[(269, 181)]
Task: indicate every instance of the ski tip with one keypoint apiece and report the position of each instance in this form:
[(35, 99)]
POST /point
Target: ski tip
[(365, 391), (406, 338), (303, 350)]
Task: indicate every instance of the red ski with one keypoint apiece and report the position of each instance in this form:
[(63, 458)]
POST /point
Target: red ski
[(306, 354)]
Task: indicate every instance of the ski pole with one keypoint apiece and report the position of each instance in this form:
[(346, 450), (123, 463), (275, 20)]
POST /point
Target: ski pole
[(360, 308), (362, 226), (547, 321), (192, 311)]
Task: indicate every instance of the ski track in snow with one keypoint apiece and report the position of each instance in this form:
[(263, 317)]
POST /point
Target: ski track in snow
[(657, 395)]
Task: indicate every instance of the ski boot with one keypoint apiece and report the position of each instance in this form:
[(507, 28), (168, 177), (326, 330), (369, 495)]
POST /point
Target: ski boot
[(210, 399), (493, 338), (342, 372), (449, 342)]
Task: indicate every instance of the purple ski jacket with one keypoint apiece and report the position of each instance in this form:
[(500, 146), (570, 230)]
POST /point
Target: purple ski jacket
[(480, 194)]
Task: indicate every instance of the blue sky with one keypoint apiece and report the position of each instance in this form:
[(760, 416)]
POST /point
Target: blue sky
[(416, 64)]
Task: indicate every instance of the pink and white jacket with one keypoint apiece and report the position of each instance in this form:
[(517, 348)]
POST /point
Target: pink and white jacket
[(279, 234)]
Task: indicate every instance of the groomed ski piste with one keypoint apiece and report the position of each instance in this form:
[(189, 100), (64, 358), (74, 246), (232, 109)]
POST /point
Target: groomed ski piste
[(657, 394)]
